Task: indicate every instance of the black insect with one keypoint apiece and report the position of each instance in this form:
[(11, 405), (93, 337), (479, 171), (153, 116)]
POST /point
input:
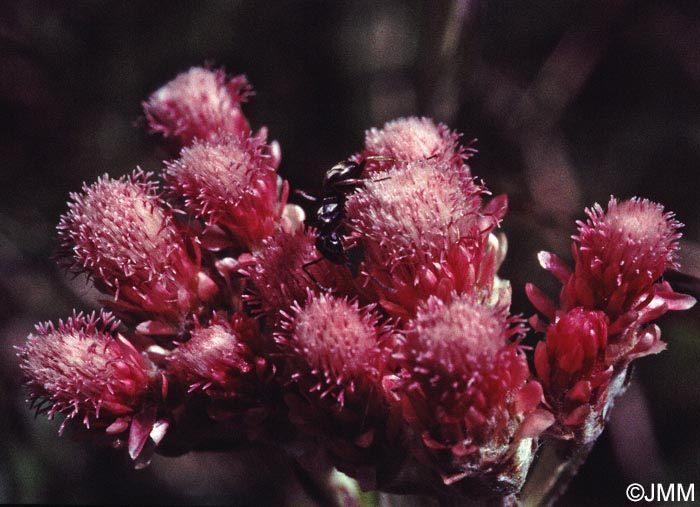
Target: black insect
[(340, 180)]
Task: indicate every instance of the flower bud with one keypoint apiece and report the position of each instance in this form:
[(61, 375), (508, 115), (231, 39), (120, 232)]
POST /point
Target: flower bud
[(571, 366), (620, 255), (199, 104), (230, 183), (466, 389), (413, 139), (81, 368), (424, 232), (336, 355), (123, 236), (218, 359), (284, 269), (335, 343), (622, 252)]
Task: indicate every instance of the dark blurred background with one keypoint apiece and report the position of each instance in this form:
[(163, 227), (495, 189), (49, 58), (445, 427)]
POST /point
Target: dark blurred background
[(570, 101)]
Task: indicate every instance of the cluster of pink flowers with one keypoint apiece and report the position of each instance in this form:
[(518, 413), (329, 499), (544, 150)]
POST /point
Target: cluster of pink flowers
[(606, 306), (224, 324)]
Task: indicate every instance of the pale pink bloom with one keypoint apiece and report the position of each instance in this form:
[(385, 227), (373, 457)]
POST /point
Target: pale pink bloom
[(466, 388), (336, 355), (230, 183), (278, 277), (424, 231), (337, 344), (199, 104), (83, 369), (121, 233), (412, 139), (218, 359), (622, 253)]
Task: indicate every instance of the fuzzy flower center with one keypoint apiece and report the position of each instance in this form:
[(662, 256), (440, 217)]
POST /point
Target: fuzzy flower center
[(407, 138), (213, 355), (334, 336), (119, 226), (634, 239), (219, 171), (199, 104), (77, 364), (416, 210), (449, 333), (640, 222)]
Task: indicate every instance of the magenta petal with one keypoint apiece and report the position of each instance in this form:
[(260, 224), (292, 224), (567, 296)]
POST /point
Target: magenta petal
[(121, 424), (578, 415), (497, 207), (153, 327), (430, 442), (673, 300), (529, 397), (581, 392), (141, 427), (206, 287), (540, 301), (214, 239), (534, 424), (554, 265)]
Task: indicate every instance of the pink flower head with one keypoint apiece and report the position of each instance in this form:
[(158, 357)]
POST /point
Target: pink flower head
[(424, 231), (199, 104), (571, 366), (218, 358), (83, 369), (277, 275), (230, 183), (620, 256), (466, 387), (337, 344), (412, 139), (622, 253), (336, 354), (121, 234)]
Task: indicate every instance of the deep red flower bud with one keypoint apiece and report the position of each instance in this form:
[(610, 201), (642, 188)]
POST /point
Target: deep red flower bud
[(199, 104), (572, 368)]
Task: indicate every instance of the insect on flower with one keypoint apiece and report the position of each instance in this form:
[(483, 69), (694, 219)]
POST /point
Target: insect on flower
[(339, 181)]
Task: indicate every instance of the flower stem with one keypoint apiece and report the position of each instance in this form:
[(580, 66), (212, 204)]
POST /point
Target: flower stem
[(556, 465), (318, 489)]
